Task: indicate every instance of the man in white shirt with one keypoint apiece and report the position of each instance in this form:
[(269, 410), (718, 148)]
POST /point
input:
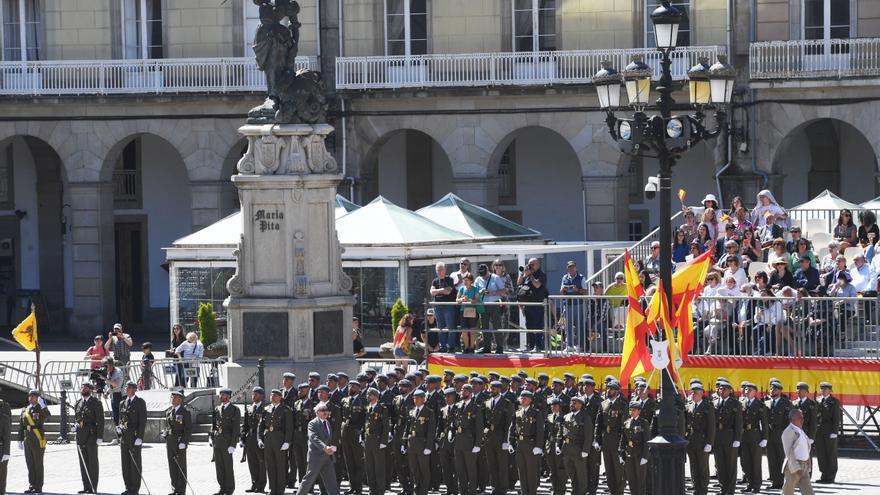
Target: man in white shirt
[(492, 288), (863, 279), (798, 463)]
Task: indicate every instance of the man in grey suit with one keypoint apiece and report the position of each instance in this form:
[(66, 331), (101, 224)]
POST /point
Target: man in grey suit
[(322, 454)]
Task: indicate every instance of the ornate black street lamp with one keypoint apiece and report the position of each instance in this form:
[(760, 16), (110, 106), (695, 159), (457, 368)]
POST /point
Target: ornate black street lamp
[(665, 137)]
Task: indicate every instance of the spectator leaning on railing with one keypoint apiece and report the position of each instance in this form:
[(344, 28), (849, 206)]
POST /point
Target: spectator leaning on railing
[(864, 281), (469, 298), (492, 289), (443, 290), (532, 287), (574, 284), (192, 350)]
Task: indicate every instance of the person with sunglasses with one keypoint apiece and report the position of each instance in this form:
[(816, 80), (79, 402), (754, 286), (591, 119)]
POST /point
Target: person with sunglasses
[(616, 302), (845, 231)]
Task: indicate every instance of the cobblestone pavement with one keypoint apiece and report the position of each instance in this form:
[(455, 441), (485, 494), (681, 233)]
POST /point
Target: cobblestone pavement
[(856, 476)]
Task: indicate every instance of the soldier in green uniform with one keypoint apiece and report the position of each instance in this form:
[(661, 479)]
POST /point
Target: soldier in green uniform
[(808, 408), (552, 450), (89, 428), (526, 438), (354, 414), (828, 419), (303, 412), (468, 423), (224, 435), (5, 439), (250, 440), (176, 432), (290, 395), (754, 438), (420, 435), (593, 408), (778, 407), (445, 439), (32, 438), (728, 434), (576, 442), (611, 420), (377, 432), (634, 449), (498, 415), (700, 437), (132, 425), (557, 391), (275, 436), (399, 417), (480, 396), (434, 401)]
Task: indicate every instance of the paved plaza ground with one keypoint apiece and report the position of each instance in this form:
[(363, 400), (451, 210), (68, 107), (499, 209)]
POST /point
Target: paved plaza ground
[(856, 476)]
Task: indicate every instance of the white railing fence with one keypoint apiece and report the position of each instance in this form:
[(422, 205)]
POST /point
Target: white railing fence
[(501, 69), (158, 76), (801, 59)]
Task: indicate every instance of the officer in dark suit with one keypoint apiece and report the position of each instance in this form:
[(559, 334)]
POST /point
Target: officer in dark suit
[(728, 435), (377, 435), (434, 401), (468, 424), (634, 449), (808, 408), (754, 437), (571, 389), (32, 439), (399, 417), (303, 412), (498, 415), (132, 424), (224, 435), (5, 440), (613, 414), (552, 450), (419, 438), (778, 407), (275, 436), (526, 438), (828, 418), (700, 437), (250, 440), (89, 429), (290, 395), (176, 431), (576, 442), (593, 408), (354, 415)]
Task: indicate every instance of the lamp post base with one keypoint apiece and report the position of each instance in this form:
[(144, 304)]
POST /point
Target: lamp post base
[(667, 464)]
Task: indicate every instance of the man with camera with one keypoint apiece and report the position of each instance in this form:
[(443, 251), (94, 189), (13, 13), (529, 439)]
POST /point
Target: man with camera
[(532, 287), (119, 343), (108, 375), (89, 428)]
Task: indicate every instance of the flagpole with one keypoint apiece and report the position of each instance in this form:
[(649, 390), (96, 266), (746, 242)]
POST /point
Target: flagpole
[(37, 350)]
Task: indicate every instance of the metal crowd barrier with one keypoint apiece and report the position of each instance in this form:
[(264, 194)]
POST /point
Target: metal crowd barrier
[(385, 366), (737, 326), (18, 374)]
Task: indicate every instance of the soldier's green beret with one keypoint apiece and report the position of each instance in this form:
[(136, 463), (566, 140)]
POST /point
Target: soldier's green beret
[(419, 393), (696, 386), (177, 393), (578, 398), (495, 384), (635, 404), (803, 386), (404, 383), (613, 384), (460, 378), (449, 391), (275, 391), (289, 375), (825, 385), (373, 391), (526, 393)]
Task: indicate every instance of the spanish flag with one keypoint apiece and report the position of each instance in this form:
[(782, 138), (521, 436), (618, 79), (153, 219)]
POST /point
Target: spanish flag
[(636, 359), (26, 332), (681, 195)]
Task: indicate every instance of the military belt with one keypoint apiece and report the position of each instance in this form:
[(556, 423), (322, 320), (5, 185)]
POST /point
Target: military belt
[(748, 427), (525, 437)]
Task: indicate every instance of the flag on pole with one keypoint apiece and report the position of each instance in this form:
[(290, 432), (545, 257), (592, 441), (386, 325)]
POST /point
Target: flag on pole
[(724, 217), (636, 359), (681, 195), (26, 332)]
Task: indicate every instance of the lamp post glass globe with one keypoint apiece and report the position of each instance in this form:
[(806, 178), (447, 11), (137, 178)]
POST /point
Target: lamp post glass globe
[(666, 19), (721, 79), (698, 83), (637, 77), (607, 82)]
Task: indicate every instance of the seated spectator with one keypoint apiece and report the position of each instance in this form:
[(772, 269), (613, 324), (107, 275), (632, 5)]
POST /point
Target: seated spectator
[(843, 287), (864, 281), (741, 221), (704, 237), (711, 220), (651, 264), (696, 249), (750, 248), (806, 276), (680, 247), (791, 246), (769, 231), (689, 227), (832, 276), (788, 298), (761, 281), (645, 279), (734, 270), (780, 277), (768, 314), (730, 250), (829, 261), (869, 233), (735, 204), (729, 235), (777, 252), (767, 205), (357, 344), (845, 231), (802, 248)]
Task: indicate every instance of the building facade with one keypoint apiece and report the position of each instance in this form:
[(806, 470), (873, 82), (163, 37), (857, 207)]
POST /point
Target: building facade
[(119, 118)]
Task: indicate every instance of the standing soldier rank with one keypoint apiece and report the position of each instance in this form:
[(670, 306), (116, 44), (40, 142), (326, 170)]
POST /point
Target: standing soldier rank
[(32, 438), (275, 438), (176, 432), (634, 449), (89, 428)]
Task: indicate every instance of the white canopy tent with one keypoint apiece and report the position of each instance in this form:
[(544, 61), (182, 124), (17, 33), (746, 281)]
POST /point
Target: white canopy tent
[(819, 215)]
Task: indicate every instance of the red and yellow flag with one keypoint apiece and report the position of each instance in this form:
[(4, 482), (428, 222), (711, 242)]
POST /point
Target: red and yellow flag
[(681, 195), (636, 358), (26, 332)]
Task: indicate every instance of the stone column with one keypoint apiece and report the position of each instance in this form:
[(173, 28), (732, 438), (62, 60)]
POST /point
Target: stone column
[(206, 202), (607, 207), (92, 238)]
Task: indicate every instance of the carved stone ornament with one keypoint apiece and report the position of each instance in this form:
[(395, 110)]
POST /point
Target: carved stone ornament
[(275, 153), (235, 285)]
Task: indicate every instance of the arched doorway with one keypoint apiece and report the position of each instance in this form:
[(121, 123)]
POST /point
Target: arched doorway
[(825, 154), (228, 193), (34, 263), (152, 208), (409, 168)]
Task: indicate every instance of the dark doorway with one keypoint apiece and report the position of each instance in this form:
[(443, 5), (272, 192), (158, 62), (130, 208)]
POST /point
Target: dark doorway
[(130, 279)]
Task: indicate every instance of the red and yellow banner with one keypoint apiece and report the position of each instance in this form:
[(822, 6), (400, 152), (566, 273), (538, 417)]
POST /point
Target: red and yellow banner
[(856, 381)]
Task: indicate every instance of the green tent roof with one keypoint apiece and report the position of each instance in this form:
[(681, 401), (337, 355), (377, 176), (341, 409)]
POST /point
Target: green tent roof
[(344, 206), (381, 222), (457, 214)]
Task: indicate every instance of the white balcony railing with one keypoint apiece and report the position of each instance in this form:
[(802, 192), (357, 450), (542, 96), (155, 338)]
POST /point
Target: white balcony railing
[(158, 76), (501, 69), (808, 59)]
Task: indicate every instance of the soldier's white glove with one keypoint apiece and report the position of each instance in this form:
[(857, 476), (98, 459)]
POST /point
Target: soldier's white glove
[(505, 446), (475, 450), (596, 446), (402, 449), (622, 460), (138, 442), (20, 445), (361, 441), (260, 443), (231, 450), (832, 436), (735, 445), (643, 462), (73, 428), (382, 445), (584, 455), (41, 402), (241, 444), (426, 452), (558, 451), (164, 435), (449, 437), (5, 458), (181, 446), (285, 446), (509, 448), (537, 451), (99, 441), (762, 443), (707, 448), (210, 442), (119, 430)]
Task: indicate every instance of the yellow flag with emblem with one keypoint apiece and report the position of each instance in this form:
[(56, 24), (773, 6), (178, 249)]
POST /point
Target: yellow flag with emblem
[(26, 332)]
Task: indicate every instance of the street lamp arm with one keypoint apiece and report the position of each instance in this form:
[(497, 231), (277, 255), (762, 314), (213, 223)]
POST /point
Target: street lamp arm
[(611, 121), (701, 133)]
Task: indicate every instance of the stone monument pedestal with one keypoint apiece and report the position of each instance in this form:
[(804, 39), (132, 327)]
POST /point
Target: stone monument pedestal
[(289, 301)]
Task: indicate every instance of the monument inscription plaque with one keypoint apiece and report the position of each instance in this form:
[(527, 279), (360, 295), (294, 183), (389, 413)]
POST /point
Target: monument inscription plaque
[(265, 334), (327, 332)]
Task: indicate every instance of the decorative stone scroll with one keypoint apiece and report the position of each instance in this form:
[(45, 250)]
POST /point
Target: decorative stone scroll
[(287, 150)]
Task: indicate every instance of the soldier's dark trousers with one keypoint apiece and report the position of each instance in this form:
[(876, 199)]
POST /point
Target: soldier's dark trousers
[(699, 461), (594, 461), (725, 466), (223, 466), (353, 454), (556, 466), (826, 455), (401, 466), (88, 471), (375, 469), (529, 467), (176, 466), (436, 471), (496, 459), (3, 469), (447, 461), (465, 465), (751, 462), (420, 470), (131, 467), (775, 458), (576, 471), (635, 476), (482, 474), (297, 458), (256, 461), (33, 456), (276, 469), (613, 468)]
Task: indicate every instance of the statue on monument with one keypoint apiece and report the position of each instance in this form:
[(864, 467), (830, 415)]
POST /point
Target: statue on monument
[(293, 97)]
